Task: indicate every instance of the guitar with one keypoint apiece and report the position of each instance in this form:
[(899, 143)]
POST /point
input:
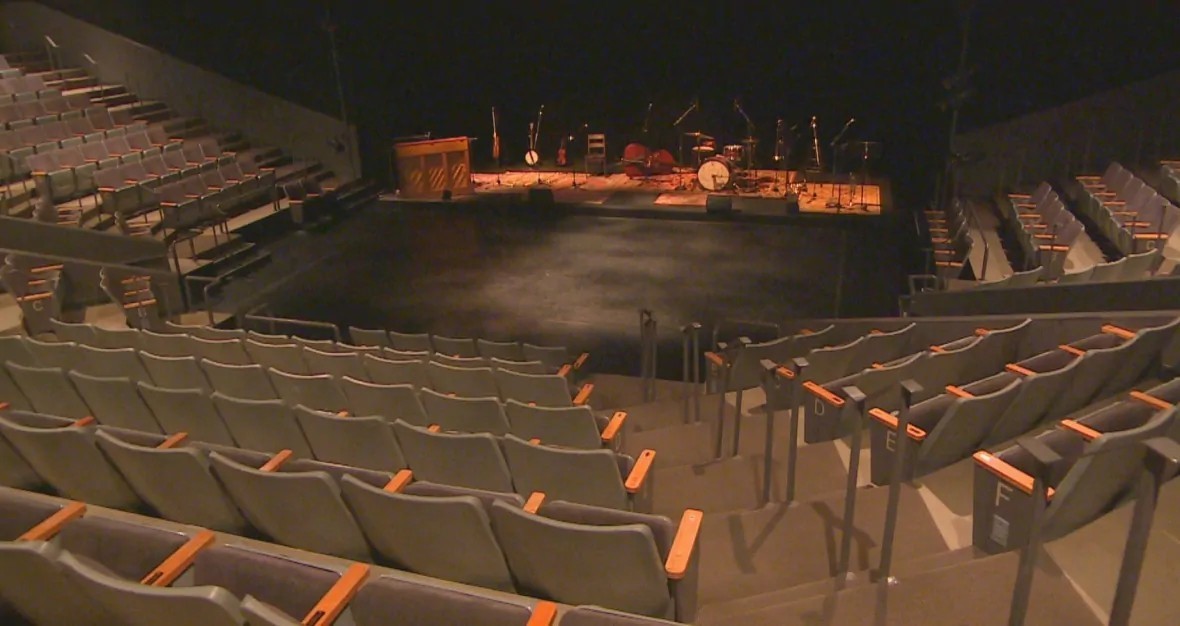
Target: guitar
[(495, 139), (532, 158), (562, 159)]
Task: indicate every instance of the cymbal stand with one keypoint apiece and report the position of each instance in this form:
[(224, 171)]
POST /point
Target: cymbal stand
[(839, 204), (864, 176), (680, 139)]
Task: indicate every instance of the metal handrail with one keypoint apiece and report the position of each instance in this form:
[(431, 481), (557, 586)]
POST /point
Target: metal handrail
[(272, 321)]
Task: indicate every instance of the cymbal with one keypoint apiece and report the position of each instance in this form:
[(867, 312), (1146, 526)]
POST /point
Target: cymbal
[(750, 140), (695, 133)]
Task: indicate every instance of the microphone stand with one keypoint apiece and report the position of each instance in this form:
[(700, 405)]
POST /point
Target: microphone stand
[(680, 139), (835, 182), (749, 134)]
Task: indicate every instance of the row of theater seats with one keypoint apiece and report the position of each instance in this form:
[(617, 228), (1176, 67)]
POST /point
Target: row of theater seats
[(1128, 211), (297, 373), (950, 240), (95, 125), (1102, 456), (62, 562), (1043, 229), (550, 548), (952, 421), (18, 115)]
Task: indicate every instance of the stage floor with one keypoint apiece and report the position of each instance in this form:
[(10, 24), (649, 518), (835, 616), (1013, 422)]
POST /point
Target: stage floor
[(680, 191)]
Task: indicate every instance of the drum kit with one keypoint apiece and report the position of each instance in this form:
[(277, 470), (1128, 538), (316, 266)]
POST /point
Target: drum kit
[(733, 168)]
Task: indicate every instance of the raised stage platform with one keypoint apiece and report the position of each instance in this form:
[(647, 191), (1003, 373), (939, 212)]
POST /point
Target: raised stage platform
[(678, 195)]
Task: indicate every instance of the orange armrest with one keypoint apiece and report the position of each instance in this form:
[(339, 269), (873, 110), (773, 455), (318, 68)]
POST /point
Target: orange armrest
[(1152, 235), (1072, 350), (35, 296), (141, 303), (1019, 370), (166, 203), (639, 473), (583, 394), (399, 481), (48, 527), (823, 394), (4, 405), (581, 360), (172, 441), (1150, 400), (172, 567), (715, 359), (959, 391), (982, 332), (108, 189), (1087, 433), (1055, 247), (85, 421), (544, 612), (889, 420), (47, 268), (565, 370), (332, 604), (1121, 333), (785, 372), (1007, 472), (533, 504), (684, 544), (434, 428), (280, 457), (614, 426), (937, 349)]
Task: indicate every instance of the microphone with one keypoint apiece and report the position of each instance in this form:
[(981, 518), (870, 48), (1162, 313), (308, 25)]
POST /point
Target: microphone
[(849, 122), (737, 106)]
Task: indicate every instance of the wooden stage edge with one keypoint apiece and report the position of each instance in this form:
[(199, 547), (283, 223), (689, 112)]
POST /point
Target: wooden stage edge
[(676, 195)]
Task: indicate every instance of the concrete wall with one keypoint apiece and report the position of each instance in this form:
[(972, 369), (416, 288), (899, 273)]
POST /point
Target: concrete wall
[(188, 89), (1134, 124)]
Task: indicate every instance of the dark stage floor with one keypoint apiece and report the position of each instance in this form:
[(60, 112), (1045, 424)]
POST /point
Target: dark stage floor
[(575, 279)]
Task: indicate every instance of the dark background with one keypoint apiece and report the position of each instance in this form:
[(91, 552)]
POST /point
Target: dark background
[(440, 66)]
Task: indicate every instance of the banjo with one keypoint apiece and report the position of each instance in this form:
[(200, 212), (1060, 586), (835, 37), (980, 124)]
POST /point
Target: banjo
[(531, 157)]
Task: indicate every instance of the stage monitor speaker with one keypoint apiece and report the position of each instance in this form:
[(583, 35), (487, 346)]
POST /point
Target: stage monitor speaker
[(718, 204), (792, 204)]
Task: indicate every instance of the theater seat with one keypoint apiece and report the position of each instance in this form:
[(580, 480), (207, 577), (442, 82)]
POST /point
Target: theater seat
[(464, 415), (388, 600), (262, 425), (544, 390), (249, 382), (186, 411), (471, 460), (466, 382), (447, 537), (387, 370), (594, 477), (317, 391), (572, 427), (368, 336), (366, 442), (598, 616), (115, 401), (49, 391), (389, 401)]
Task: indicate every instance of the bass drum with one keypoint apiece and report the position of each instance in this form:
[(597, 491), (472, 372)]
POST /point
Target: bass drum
[(715, 174)]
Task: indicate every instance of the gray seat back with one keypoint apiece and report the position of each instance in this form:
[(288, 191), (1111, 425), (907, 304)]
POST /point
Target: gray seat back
[(155, 473), (390, 401), (521, 367), (388, 600), (230, 351), (464, 415), (63, 354), (368, 336), (287, 357), (166, 344), (465, 460), (590, 477), (462, 347), (116, 338), (337, 364), (1036, 394), (598, 616), (249, 382), (410, 342), (68, 459), (366, 442), (1109, 271), (186, 411), (552, 356), (467, 382), (81, 334), (109, 362), (962, 428), (1149, 343), (262, 425), (543, 390), (613, 566), (388, 371), (13, 349), (135, 604), (11, 392), (503, 350), (1095, 482), (299, 509), (115, 402), (419, 534), (1096, 367), (318, 391), (33, 582), (49, 391), (175, 372), (572, 427), (288, 584)]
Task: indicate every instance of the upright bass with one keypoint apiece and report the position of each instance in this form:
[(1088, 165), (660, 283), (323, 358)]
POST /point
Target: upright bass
[(639, 161)]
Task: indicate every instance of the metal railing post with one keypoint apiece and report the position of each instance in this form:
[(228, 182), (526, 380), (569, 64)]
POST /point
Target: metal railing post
[(857, 397), (1161, 463), (793, 436), (909, 389), (773, 377), (686, 386), (737, 413), (726, 369), (653, 359), (644, 350), (1044, 459), (696, 372)]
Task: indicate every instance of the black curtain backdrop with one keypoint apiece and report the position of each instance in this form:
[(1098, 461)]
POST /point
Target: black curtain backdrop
[(441, 65)]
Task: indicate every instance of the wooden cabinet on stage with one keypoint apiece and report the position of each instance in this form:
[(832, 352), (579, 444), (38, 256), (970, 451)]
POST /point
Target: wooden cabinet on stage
[(427, 169)]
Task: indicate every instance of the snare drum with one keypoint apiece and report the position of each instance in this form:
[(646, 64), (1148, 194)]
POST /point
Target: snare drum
[(715, 174), (733, 152)]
